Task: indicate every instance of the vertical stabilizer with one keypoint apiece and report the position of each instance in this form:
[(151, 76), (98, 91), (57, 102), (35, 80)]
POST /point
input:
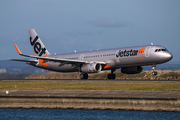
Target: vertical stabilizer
[(37, 46)]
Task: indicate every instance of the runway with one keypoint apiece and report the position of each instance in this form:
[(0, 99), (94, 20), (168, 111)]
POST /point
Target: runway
[(92, 99), (148, 95), (92, 94), (89, 80)]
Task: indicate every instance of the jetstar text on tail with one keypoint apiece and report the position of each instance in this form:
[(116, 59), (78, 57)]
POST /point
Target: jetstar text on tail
[(37, 46), (131, 52)]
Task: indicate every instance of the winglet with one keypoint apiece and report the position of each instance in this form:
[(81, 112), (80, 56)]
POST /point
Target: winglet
[(17, 49)]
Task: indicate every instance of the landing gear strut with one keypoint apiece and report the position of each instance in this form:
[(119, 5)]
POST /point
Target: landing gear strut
[(84, 76), (154, 68), (112, 76)]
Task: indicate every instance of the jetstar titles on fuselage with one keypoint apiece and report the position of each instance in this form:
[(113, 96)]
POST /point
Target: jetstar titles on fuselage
[(131, 52)]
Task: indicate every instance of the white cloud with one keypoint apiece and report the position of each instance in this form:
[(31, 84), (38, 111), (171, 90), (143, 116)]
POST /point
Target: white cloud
[(104, 22), (20, 38), (76, 33)]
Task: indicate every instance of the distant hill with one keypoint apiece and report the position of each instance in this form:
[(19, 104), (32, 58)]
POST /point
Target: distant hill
[(18, 67), (165, 66)]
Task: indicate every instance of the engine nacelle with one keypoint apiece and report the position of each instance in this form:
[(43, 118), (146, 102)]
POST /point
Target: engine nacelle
[(132, 70), (91, 68)]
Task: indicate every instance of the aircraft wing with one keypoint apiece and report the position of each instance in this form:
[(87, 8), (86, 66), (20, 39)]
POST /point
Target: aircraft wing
[(62, 61), (24, 60)]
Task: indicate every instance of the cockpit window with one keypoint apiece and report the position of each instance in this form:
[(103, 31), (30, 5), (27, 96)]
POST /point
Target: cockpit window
[(158, 50)]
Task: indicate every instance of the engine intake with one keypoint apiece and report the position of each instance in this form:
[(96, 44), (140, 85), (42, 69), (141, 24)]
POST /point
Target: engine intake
[(132, 70), (91, 68)]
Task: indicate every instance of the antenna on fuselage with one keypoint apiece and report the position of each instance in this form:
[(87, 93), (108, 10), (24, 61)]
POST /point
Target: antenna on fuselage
[(152, 43), (75, 51)]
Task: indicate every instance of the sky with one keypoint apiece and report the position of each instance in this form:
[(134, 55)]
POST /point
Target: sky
[(83, 25)]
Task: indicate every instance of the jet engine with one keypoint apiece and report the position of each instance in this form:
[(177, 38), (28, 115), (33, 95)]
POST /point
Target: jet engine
[(91, 68), (132, 70)]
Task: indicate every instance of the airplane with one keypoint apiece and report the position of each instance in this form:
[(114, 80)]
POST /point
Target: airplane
[(129, 59)]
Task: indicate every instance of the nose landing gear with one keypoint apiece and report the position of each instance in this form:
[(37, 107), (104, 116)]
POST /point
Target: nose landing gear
[(154, 68)]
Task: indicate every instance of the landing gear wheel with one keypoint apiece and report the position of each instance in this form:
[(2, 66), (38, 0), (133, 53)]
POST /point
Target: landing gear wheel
[(111, 76), (154, 73), (84, 76)]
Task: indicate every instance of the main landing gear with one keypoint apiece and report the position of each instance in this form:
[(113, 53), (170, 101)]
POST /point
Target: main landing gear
[(112, 76), (154, 72), (84, 76)]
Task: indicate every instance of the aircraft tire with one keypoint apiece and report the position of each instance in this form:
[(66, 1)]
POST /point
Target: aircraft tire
[(84, 76), (154, 73), (111, 76)]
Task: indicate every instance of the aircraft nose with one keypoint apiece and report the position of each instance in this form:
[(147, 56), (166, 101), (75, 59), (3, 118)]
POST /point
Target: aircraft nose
[(167, 56)]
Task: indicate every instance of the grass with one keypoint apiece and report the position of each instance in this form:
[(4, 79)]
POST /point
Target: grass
[(172, 74), (143, 75), (164, 75), (89, 85)]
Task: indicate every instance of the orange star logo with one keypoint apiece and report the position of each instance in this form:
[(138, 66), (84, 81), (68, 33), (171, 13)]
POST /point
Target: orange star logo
[(42, 62), (141, 51)]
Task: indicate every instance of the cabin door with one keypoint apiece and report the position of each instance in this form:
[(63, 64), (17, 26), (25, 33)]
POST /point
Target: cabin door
[(147, 51)]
